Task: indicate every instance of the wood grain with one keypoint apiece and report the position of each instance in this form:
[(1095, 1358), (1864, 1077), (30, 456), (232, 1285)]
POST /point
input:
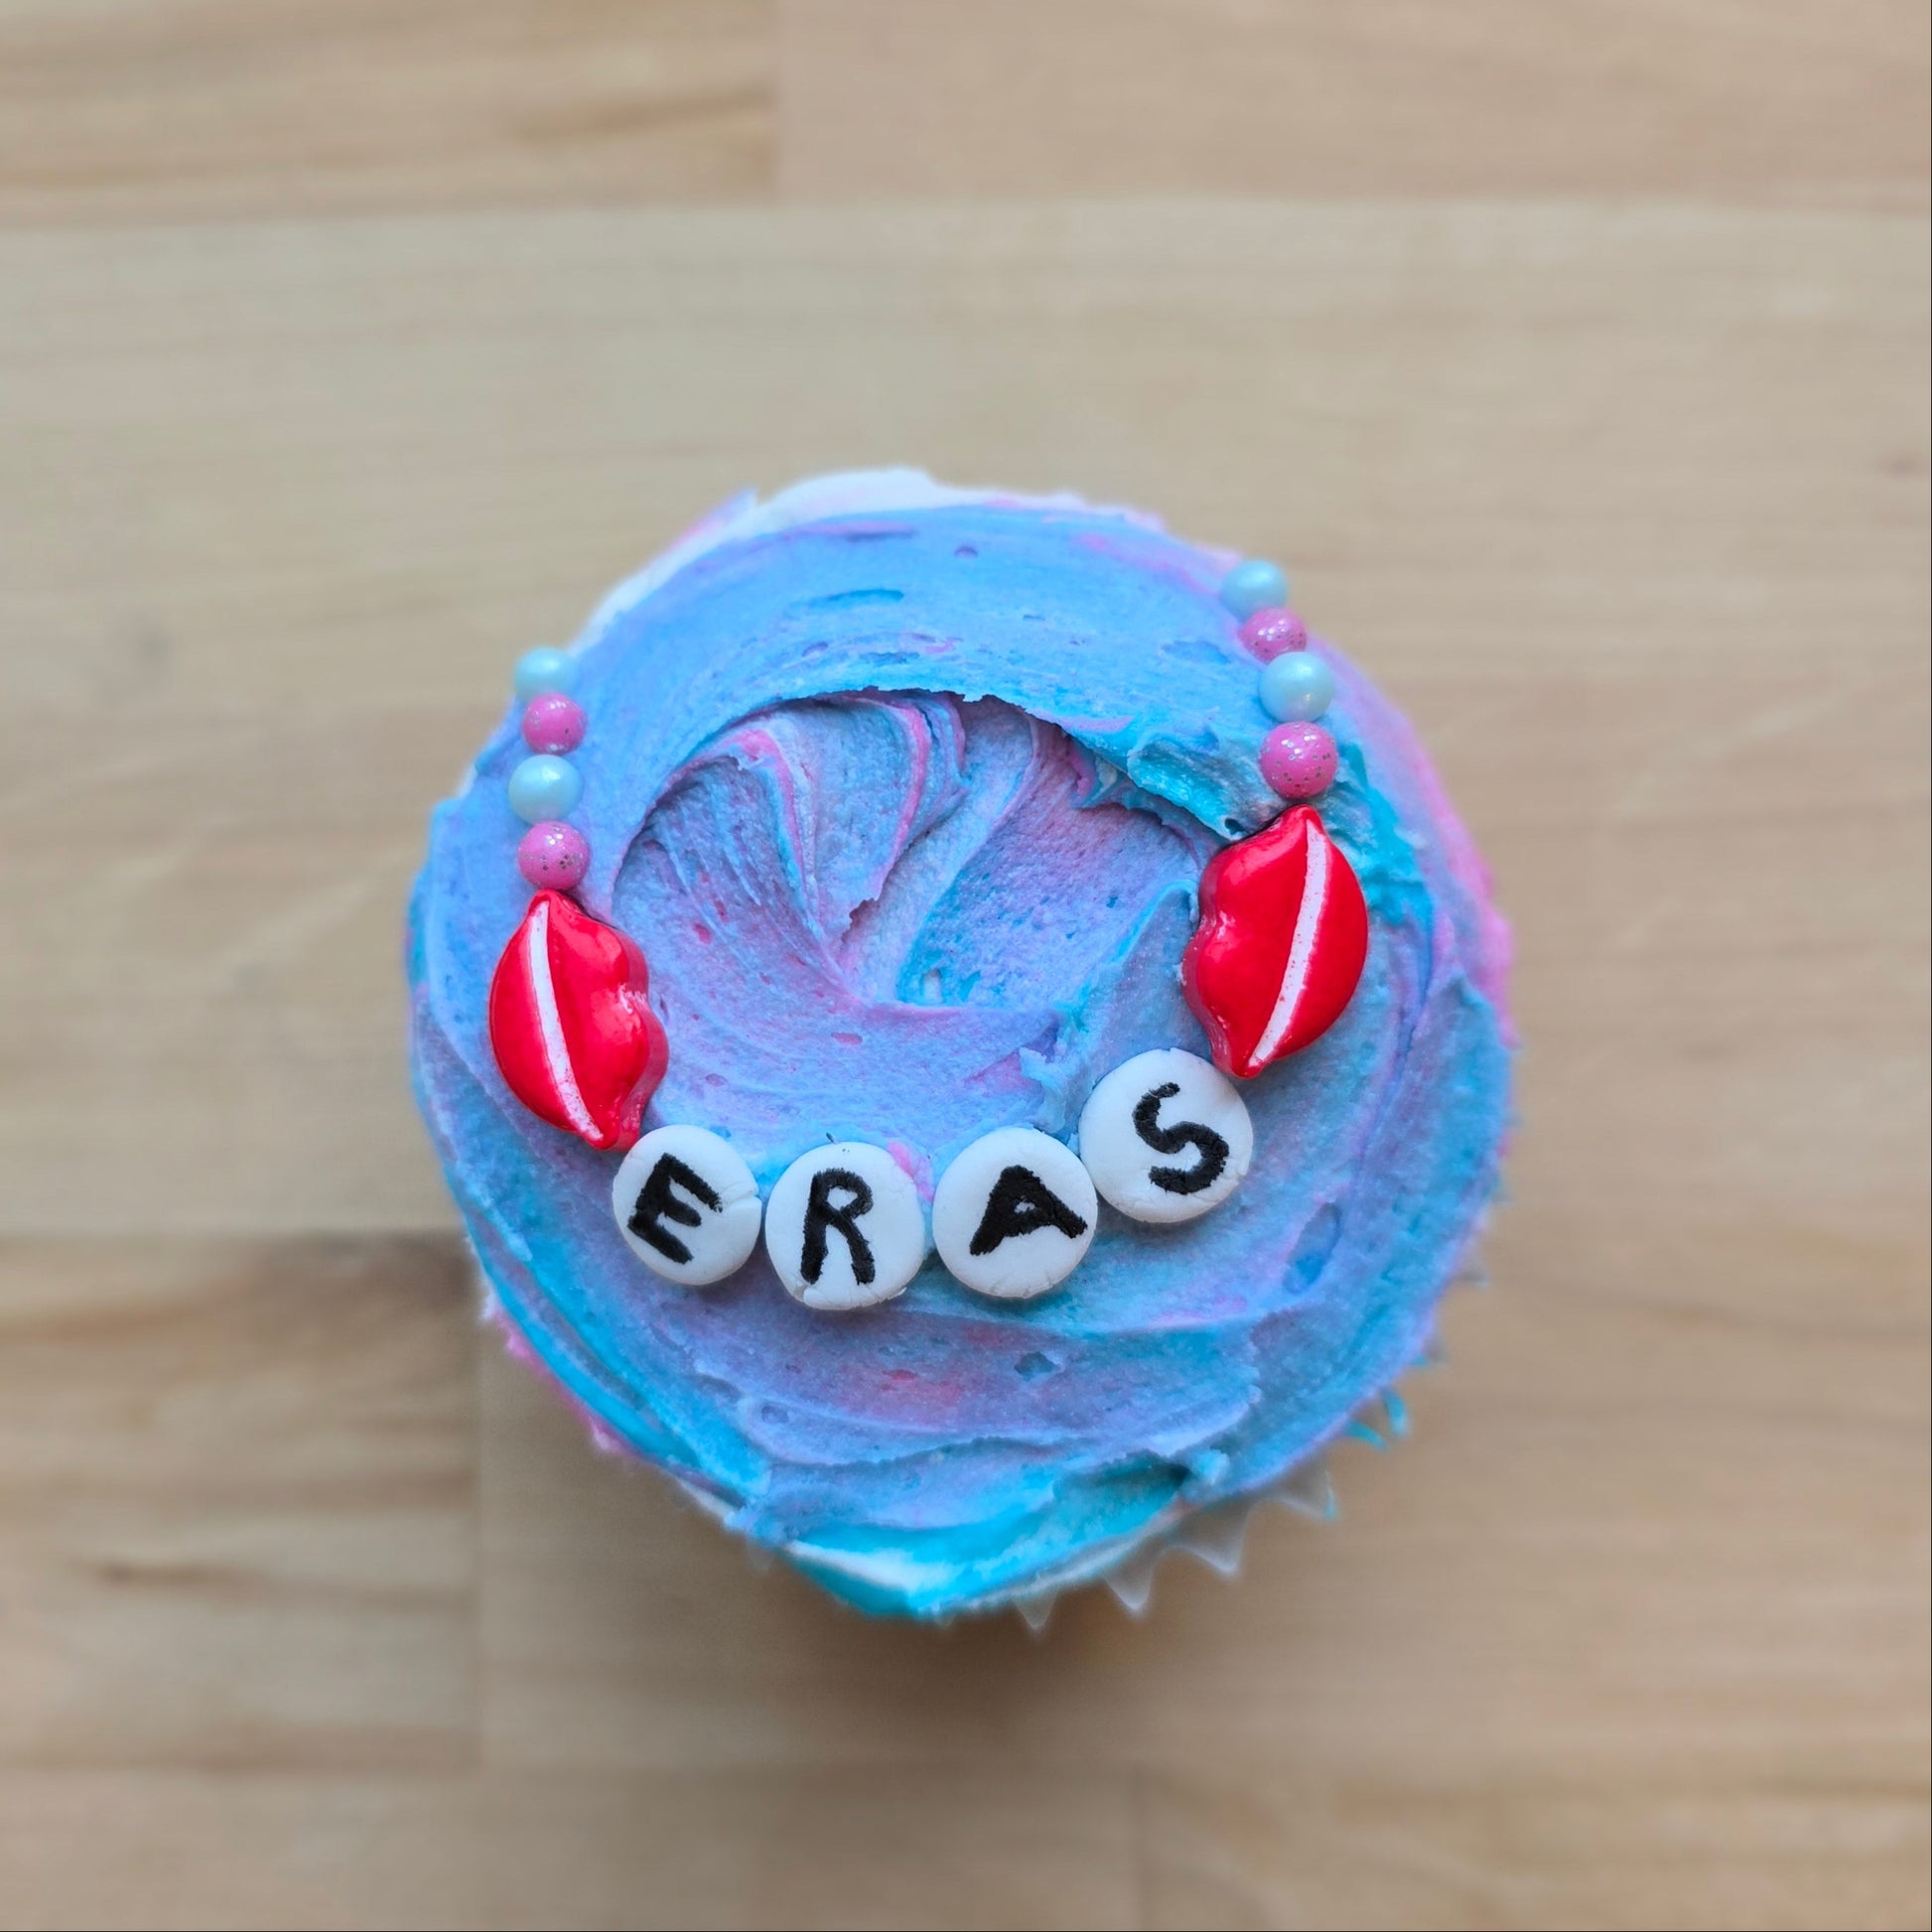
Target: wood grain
[(917, 1848), (1578, 367), (1793, 101), (239, 1507), (159, 109), (1675, 1850), (163, 109)]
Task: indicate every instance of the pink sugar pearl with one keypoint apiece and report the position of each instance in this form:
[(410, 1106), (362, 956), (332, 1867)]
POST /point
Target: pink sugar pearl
[(1268, 633), (553, 723), (1298, 761), (553, 854)]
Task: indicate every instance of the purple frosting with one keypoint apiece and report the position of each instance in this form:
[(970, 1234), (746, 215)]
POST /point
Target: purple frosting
[(905, 792)]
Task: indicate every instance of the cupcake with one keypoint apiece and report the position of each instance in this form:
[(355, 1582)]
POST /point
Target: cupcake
[(962, 1034)]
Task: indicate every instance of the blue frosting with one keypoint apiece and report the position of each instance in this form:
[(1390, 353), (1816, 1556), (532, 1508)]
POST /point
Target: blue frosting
[(907, 808)]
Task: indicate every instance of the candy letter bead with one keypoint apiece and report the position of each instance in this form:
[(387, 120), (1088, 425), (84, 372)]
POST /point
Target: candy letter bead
[(1253, 586), (571, 1027), (538, 671), (687, 1205), (1166, 1137), (844, 1227), (1298, 761), (1280, 944), (1296, 684), (1269, 632), (544, 787), (553, 723), (553, 854), (1013, 1214)]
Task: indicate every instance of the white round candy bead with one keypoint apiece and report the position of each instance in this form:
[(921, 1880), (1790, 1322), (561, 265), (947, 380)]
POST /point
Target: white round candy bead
[(1166, 1137), (687, 1204), (1013, 1214), (844, 1227)]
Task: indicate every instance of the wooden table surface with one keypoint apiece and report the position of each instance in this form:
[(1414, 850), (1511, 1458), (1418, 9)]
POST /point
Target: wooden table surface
[(1574, 354)]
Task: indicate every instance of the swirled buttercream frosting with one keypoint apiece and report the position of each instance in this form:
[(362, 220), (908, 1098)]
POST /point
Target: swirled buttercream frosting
[(904, 794)]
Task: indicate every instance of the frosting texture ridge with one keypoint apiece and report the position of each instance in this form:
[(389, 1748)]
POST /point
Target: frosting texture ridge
[(905, 794)]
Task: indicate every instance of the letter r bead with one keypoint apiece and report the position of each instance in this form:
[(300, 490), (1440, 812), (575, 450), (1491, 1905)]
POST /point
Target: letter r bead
[(845, 1227)]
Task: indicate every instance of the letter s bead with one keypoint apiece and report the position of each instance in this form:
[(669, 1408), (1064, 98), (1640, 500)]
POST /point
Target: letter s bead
[(1166, 1137)]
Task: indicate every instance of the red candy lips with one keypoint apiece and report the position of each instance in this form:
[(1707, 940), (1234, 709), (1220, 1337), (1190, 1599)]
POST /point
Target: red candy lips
[(570, 1024), (1280, 944)]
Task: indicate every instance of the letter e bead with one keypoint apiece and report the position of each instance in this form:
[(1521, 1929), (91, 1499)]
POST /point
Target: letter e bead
[(845, 1227), (687, 1205), (1166, 1137)]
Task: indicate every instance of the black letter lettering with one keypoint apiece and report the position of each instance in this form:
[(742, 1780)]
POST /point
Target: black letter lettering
[(1020, 1203), (821, 1214), (657, 1205), (1170, 1139)]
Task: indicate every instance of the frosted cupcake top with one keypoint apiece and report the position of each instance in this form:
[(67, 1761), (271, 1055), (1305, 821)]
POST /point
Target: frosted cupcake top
[(906, 794)]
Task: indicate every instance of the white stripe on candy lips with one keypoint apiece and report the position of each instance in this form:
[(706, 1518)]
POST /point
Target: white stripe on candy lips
[(550, 1023), (1300, 951)]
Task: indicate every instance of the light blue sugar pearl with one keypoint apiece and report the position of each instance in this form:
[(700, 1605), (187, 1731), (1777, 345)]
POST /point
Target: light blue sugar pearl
[(538, 671), (543, 788), (1254, 584), (1296, 685)]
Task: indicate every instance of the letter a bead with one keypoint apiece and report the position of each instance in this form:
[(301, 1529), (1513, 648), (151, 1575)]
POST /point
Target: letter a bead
[(1013, 1214), (1166, 1137), (844, 1227), (687, 1205)]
